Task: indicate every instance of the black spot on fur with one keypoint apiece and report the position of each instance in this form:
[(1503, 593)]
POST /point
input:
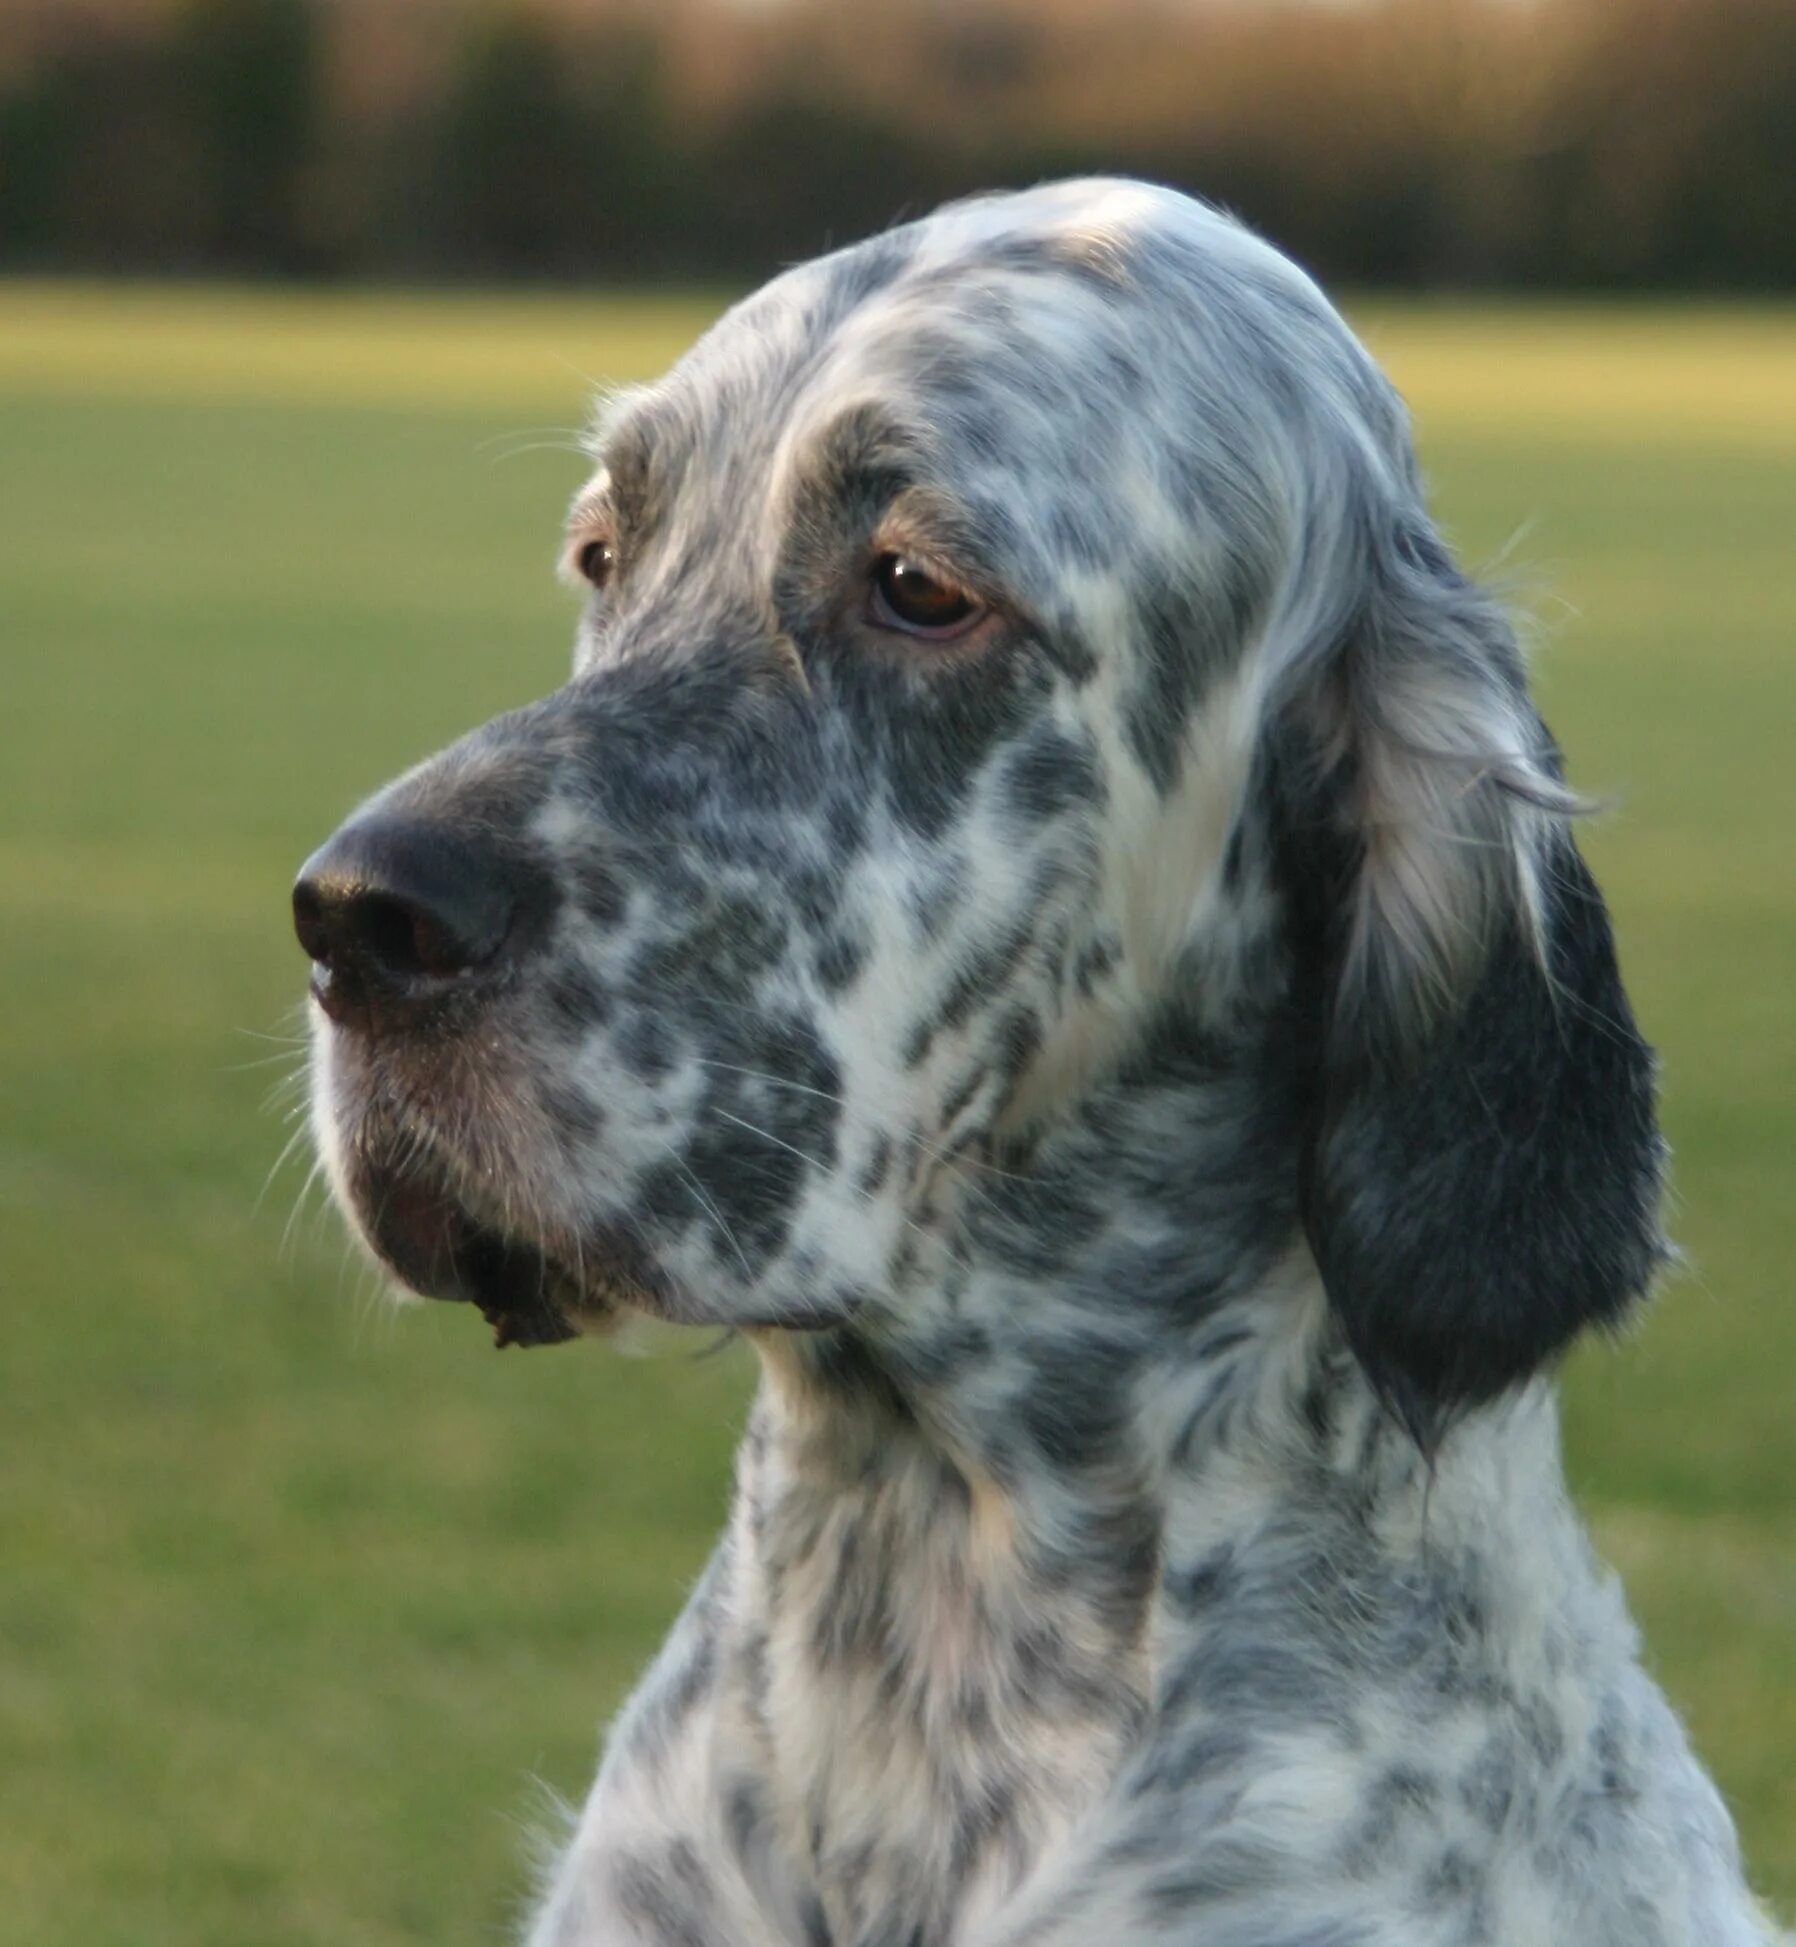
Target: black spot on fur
[(863, 272), (1190, 634), (731, 943), (647, 1046), (1048, 775), (839, 961), (1096, 962), (599, 893), (769, 1118), (667, 1892), (877, 1167), (1197, 1585), (982, 977), (576, 998)]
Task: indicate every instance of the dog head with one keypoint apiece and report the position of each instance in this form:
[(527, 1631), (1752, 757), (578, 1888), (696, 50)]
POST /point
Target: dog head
[(998, 639)]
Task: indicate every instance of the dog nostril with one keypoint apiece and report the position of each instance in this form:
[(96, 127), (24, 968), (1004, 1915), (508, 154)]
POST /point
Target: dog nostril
[(408, 940), (309, 922), (391, 910)]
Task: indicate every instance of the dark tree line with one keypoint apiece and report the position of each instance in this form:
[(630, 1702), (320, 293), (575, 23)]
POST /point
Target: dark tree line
[(1565, 144)]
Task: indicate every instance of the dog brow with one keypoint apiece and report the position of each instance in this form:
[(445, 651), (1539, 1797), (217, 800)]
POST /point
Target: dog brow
[(869, 460), (612, 412), (866, 438), (630, 428)]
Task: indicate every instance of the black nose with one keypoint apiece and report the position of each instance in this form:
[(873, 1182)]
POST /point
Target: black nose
[(399, 915)]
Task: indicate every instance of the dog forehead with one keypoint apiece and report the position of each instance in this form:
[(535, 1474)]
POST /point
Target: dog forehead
[(1000, 333), (1018, 297)]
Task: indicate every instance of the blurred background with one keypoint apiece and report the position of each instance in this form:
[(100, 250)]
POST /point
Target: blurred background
[(307, 1607), (1599, 145)]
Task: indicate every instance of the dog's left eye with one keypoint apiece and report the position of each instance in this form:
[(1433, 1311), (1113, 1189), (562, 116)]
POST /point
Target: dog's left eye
[(597, 561), (905, 596)]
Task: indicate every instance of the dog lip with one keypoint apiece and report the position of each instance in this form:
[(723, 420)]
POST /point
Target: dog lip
[(441, 1251), (514, 1286)]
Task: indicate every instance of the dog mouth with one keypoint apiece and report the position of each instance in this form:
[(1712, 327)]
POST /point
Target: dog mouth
[(529, 1294)]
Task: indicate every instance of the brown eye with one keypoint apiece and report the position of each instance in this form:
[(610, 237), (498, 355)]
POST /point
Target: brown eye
[(907, 597), (597, 561)]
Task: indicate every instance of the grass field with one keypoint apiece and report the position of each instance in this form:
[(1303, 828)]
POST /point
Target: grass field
[(299, 1600)]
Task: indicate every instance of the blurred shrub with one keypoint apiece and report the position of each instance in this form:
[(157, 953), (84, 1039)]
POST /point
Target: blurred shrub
[(1567, 143), (183, 150)]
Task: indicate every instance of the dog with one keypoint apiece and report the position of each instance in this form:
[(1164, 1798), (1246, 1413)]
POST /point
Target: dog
[(1045, 906)]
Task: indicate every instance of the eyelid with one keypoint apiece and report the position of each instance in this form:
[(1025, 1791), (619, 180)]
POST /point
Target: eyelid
[(935, 561), (931, 526)]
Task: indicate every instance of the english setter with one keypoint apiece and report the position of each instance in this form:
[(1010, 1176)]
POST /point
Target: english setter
[(1045, 906)]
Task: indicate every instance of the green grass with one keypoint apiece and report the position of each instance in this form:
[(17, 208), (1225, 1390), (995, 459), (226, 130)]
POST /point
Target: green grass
[(297, 1598)]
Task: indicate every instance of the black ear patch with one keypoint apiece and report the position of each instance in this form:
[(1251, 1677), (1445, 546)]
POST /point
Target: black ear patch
[(1477, 1200)]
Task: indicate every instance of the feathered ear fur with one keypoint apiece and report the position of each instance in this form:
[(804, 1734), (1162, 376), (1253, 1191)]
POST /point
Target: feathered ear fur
[(1482, 1167)]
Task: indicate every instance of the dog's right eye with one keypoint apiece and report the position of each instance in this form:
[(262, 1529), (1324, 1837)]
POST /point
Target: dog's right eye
[(597, 561), (908, 598)]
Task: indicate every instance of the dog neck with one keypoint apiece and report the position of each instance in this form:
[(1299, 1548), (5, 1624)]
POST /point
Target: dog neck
[(1071, 1360), (986, 1531), (1120, 1348), (1145, 1253)]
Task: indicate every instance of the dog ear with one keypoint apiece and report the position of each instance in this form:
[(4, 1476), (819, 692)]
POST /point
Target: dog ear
[(1482, 1166)]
